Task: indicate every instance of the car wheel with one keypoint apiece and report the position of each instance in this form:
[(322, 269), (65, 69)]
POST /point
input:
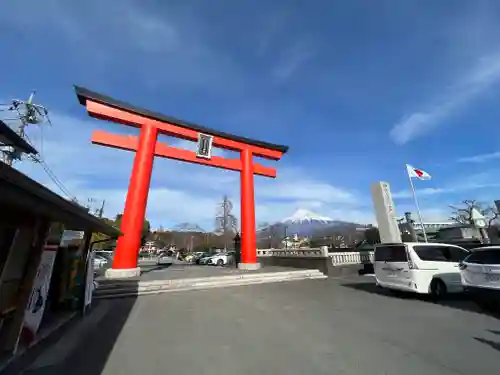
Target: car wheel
[(220, 262), (438, 290)]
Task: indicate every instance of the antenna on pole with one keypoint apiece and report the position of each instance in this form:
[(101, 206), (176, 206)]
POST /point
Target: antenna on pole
[(25, 113)]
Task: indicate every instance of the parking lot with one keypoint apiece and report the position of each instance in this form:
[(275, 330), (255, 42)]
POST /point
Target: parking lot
[(334, 326)]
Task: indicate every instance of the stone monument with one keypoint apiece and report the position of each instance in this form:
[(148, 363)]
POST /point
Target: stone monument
[(385, 213)]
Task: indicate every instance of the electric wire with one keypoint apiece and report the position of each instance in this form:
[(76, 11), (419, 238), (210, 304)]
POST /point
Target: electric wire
[(39, 159)]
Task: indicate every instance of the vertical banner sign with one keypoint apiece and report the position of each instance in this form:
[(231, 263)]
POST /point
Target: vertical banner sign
[(89, 282), (38, 298)]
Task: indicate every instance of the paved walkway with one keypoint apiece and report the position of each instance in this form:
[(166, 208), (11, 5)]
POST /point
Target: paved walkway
[(183, 271), (336, 326)]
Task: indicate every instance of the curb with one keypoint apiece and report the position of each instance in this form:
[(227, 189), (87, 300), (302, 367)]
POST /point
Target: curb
[(166, 286)]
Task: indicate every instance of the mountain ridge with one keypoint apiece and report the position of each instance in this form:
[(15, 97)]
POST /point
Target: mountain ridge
[(304, 223)]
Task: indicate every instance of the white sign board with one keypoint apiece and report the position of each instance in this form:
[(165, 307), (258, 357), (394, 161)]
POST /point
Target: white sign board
[(89, 282), (38, 298)]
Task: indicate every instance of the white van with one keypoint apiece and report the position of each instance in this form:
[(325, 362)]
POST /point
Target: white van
[(419, 267)]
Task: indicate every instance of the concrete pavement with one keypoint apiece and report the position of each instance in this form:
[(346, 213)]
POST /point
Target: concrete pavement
[(335, 326)]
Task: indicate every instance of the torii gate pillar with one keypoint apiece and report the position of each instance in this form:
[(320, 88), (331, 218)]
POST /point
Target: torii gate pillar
[(248, 240), (147, 147)]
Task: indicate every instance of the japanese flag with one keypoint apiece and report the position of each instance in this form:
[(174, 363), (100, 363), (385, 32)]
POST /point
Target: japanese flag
[(417, 173)]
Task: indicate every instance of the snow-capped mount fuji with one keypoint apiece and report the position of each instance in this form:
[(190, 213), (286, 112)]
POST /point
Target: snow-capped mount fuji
[(303, 223), (305, 216)]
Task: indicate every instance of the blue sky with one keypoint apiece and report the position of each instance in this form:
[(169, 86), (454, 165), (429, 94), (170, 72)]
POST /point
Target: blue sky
[(355, 88)]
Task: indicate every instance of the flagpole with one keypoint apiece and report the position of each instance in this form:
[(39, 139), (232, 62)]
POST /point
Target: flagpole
[(416, 205)]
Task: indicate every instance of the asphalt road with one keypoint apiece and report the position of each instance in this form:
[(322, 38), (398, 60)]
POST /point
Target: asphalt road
[(336, 326)]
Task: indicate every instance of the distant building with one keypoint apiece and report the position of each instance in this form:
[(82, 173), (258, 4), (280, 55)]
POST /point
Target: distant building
[(459, 232), (433, 226), (149, 246)]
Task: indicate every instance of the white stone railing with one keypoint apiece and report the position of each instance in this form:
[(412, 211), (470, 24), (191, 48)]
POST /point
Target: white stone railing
[(337, 258), (306, 252), (354, 257)]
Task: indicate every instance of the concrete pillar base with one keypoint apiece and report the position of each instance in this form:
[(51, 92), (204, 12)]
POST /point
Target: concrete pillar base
[(249, 266), (123, 273)]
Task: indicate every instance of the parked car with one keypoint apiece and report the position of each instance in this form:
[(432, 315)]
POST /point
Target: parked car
[(480, 272), (221, 259), (99, 261), (419, 267), (165, 258), (105, 254), (204, 259)]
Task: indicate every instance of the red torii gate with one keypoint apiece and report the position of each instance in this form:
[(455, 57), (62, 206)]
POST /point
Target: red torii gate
[(147, 147)]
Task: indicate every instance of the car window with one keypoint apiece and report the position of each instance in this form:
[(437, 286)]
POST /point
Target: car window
[(458, 254), (484, 257), (434, 253), (393, 253)]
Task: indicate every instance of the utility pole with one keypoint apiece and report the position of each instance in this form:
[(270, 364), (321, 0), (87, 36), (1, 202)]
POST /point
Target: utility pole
[(91, 206), (101, 210), (28, 113)]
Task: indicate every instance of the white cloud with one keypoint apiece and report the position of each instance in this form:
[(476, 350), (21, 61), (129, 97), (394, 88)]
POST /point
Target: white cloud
[(480, 158), (179, 191), (403, 194), (294, 58), (300, 188), (474, 82)]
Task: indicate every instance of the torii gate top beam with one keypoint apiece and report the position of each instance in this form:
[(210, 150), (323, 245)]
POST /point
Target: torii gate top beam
[(104, 107)]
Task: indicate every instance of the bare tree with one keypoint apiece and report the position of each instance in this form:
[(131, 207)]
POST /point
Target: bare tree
[(226, 223), (463, 214)]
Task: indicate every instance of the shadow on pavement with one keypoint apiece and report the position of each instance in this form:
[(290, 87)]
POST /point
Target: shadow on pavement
[(456, 301), (494, 344), (84, 346), (155, 268)]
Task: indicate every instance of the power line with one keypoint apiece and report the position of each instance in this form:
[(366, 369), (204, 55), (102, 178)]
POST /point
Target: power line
[(39, 159)]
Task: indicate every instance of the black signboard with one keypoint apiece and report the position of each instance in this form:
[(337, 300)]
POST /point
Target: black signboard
[(204, 146)]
